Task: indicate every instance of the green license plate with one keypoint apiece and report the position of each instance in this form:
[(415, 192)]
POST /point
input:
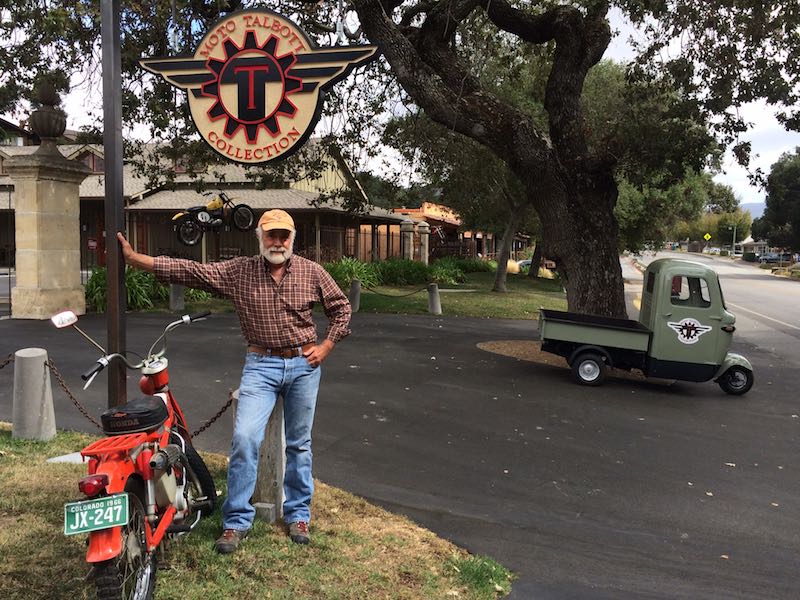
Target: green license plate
[(95, 514)]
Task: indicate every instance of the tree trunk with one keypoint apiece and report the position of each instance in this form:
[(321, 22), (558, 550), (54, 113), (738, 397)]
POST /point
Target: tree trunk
[(580, 234), (505, 251), (536, 260)]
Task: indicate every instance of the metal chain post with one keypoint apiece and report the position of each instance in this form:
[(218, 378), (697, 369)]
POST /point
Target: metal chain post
[(60, 379)]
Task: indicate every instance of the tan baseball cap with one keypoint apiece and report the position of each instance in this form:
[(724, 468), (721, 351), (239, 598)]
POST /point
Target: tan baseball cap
[(276, 219)]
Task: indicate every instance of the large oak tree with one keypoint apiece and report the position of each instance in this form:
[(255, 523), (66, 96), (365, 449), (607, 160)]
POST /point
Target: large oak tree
[(719, 53)]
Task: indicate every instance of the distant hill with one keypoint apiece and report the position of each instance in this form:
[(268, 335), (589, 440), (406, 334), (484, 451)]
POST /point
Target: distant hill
[(756, 208)]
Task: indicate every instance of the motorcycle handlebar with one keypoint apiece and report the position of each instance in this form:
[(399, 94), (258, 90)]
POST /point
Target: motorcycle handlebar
[(199, 315), (98, 366)]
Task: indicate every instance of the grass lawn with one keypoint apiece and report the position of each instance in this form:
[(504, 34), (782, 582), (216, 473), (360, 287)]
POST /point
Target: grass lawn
[(522, 301), (357, 551)]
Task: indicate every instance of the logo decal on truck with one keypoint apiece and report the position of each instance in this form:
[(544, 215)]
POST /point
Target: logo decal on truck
[(688, 330)]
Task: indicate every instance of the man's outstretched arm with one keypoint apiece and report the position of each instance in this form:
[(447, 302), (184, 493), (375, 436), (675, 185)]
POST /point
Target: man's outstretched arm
[(137, 260)]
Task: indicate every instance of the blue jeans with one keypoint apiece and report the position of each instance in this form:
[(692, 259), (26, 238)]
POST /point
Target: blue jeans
[(263, 379)]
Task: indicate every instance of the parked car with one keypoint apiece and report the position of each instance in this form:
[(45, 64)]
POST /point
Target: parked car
[(775, 257), (524, 264)]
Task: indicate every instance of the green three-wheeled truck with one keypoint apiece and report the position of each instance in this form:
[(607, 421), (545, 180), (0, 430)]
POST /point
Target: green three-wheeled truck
[(684, 332)]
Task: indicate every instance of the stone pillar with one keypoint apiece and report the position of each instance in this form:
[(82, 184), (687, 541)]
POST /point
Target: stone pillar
[(407, 239), (47, 197), (424, 241)]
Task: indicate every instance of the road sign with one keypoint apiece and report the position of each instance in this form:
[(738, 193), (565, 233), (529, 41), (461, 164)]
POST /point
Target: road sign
[(707, 237)]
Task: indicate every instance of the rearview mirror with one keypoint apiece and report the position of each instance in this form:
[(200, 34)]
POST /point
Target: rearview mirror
[(64, 319)]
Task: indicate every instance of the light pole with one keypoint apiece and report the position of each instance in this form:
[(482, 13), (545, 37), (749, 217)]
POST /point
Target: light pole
[(733, 243)]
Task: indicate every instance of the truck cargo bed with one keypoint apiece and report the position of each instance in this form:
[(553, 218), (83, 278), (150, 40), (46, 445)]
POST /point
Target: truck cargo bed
[(625, 334)]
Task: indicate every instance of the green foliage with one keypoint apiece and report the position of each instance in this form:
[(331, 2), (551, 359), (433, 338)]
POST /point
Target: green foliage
[(96, 290), (447, 270), (780, 223), (142, 289), (487, 576), (346, 269), (395, 271)]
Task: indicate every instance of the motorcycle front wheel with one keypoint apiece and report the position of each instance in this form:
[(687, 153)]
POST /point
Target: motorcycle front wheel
[(189, 231), (132, 574), (243, 218)]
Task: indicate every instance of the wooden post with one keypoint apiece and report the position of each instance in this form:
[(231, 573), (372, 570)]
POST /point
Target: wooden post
[(318, 240), (268, 494)]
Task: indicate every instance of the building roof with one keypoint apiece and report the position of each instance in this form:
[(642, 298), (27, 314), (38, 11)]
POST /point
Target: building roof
[(258, 200)]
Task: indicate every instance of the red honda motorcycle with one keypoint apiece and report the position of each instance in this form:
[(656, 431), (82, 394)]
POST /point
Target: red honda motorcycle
[(146, 483)]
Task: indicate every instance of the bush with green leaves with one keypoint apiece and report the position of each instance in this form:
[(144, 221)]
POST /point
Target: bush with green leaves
[(142, 289), (472, 265), (446, 270), (346, 269), (749, 257), (396, 271)]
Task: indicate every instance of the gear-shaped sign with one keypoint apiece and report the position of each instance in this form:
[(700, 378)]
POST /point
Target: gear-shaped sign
[(688, 330), (255, 83)]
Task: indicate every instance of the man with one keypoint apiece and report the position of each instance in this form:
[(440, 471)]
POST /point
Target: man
[(273, 295)]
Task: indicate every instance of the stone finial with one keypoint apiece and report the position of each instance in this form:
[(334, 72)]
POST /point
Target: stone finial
[(48, 122)]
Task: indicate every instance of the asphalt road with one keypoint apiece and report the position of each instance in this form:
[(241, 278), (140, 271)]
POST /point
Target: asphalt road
[(631, 490)]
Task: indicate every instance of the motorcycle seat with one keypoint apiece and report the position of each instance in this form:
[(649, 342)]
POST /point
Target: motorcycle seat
[(141, 414), (193, 209)]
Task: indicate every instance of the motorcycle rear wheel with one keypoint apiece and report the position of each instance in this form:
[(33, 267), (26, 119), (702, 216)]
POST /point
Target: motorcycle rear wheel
[(189, 231), (200, 482), (242, 217), (132, 574)]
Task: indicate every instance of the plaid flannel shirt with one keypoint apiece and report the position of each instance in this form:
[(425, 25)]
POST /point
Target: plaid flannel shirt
[(271, 315)]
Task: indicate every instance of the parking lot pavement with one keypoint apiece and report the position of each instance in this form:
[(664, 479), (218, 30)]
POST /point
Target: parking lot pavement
[(634, 489)]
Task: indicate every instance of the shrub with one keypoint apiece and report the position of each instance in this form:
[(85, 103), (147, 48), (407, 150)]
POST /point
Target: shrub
[(749, 256), (395, 271), (346, 269), (143, 291), (447, 272), (472, 265), (724, 252)]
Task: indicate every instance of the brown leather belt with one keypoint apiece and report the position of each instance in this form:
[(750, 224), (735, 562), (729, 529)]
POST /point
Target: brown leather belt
[(281, 352)]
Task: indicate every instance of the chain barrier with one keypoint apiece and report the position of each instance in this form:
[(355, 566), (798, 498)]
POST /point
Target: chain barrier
[(394, 295), (83, 410), (210, 422), (63, 384)]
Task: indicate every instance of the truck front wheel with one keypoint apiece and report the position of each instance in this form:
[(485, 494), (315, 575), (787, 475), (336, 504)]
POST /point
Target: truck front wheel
[(736, 381), (589, 369)]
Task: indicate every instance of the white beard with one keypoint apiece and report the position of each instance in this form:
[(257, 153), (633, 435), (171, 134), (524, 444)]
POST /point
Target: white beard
[(277, 255)]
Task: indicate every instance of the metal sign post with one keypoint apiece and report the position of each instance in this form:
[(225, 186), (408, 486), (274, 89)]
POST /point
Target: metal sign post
[(114, 218)]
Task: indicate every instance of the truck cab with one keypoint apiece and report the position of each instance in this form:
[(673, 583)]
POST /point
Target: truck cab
[(683, 307)]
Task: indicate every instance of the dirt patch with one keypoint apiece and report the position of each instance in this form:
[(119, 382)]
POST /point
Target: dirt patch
[(532, 352)]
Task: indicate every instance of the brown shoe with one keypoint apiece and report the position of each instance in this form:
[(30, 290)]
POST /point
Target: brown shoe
[(298, 532), (229, 540)]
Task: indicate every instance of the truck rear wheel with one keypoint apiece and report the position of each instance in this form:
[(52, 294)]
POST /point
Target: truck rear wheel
[(736, 381), (589, 368)]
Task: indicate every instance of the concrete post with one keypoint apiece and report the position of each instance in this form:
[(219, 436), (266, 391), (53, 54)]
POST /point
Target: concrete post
[(434, 303), (407, 239), (176, 302), (268, 494), (424, 241), (32, 413), (355, 295)]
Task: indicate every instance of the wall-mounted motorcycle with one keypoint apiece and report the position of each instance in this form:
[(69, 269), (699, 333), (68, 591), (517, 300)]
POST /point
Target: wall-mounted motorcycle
[(192, 223)]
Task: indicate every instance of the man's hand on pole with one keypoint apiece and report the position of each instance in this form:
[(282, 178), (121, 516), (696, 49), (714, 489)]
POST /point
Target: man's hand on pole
[(135, 259)]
